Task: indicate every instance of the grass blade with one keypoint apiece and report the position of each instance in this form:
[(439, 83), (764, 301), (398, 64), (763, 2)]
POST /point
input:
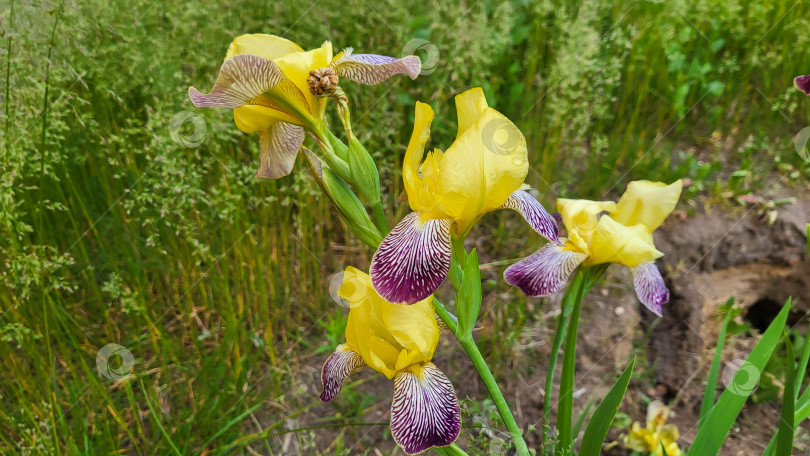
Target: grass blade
[(715, 426), (784, 436), (599, 423), (156, 417), (231, 423), (582, 415), (714, 372)]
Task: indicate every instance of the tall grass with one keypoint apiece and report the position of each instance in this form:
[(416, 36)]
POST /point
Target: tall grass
[(111, 232)]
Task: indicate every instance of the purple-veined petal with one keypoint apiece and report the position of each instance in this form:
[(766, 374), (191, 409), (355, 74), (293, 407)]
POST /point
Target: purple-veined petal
[(241, 79), (425, 411), (337, 369), (534, 213), (545, 271), (558, 218), (803, 84), (413, 260), (373, 69), (279, 147), (650, 287)]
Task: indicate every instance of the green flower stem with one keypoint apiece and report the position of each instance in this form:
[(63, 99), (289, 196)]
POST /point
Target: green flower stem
[(565, 402), (468, 343), (583, 282), (559, 336)]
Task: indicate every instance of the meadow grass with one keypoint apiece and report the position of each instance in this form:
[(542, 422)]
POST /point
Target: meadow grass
[(113, 232)]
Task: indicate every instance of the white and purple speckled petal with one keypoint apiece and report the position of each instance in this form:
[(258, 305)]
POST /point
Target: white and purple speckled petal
[(545, 271), (803, 83), (425, 411), (279, 145), (373, 69), (413, 260), (650, 287), (534, 213), (337, 369), (241, 79)]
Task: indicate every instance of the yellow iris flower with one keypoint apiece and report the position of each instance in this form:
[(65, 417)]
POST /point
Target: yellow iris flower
[(605, 232), (267, 81), (298, 107), (482, 170), (656, 435), (397, 341), (609, 232)]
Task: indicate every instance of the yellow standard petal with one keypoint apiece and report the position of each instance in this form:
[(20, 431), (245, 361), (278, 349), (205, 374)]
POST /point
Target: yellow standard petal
[(648, 203), (476, 174), (613, 242), (389, 337), (270, 47)]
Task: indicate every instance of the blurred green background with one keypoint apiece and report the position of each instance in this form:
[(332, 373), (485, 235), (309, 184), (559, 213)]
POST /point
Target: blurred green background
[(113, 231)]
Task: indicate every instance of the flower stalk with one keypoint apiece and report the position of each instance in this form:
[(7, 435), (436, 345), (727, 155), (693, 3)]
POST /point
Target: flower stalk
[(581, 285), (481, 366)]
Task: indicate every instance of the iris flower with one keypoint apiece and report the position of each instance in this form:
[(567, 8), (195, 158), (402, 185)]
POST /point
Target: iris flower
[(649, 440), (397, 341), (266, 80), (483, 170), (604, 232), (803, 83)]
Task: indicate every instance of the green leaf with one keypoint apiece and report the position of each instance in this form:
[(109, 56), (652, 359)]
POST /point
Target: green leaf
[(450, 450), (599, 423), (714, 427), (784, 436), (711, 383), (469, 296)]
